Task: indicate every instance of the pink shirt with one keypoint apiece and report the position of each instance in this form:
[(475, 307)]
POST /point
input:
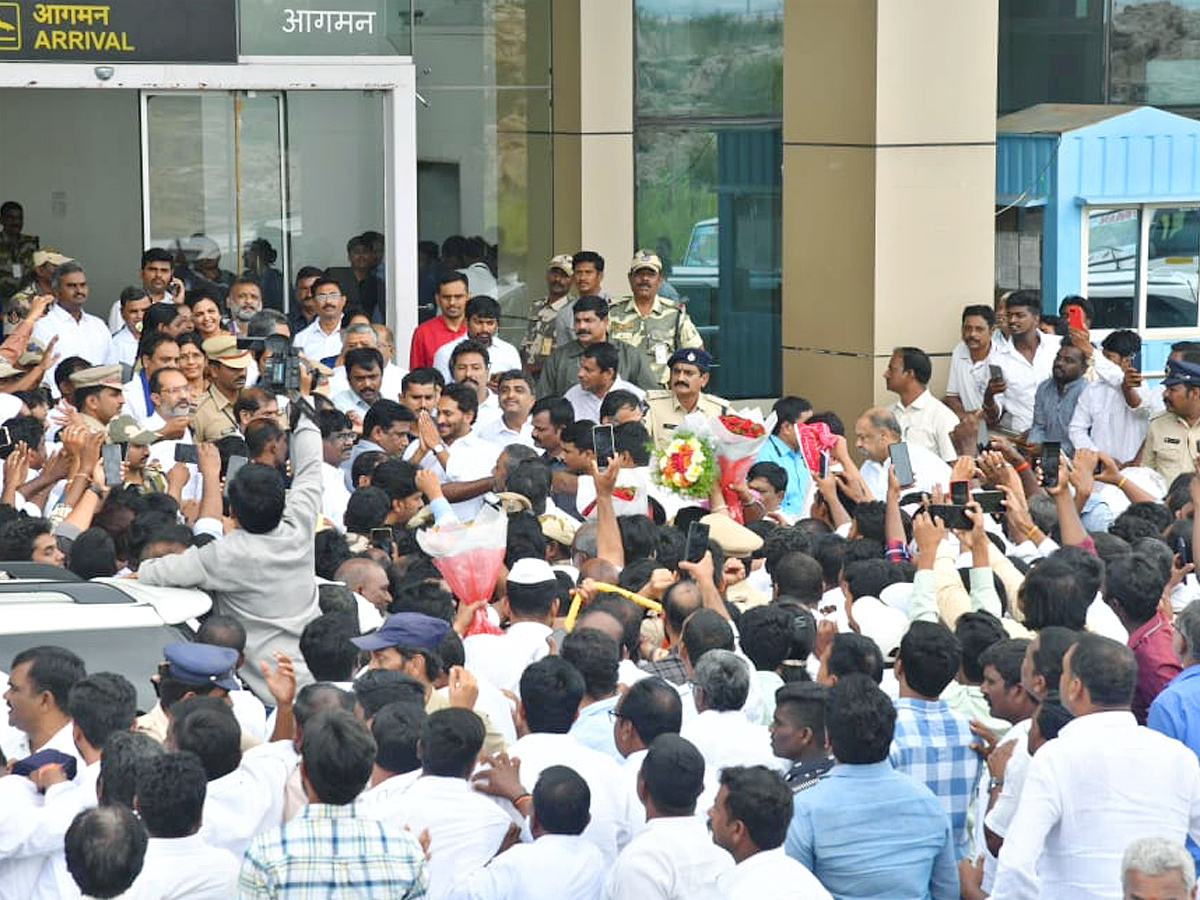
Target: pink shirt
[(1156, 662)]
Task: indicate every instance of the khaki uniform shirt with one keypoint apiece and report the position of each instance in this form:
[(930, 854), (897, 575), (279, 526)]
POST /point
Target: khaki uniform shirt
[(660, 333), (94, 425), (539, 337), (666, 412), (1170, 447), (16, 263), (561, 371), (213, 417)]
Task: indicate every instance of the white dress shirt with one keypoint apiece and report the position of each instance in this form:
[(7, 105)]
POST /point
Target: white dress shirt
[(135, 399), (1103, 782), (470, 458), (498, 433), (389, 388), (247, 801), (1021, 378), (334, 496), (968, 379), (314, 343), (502, 356), (609, 829), (466, 828), (123, 348), (928, 470), (1104, 421), (672, 859), (186, 868), (727, 739), (163, 454), (489, 411), (380, 800), (587, 405), (927, 422), (88, 337), (770, 875), (501, 658), (554, 867), (999, 817), (19, 803), (347, 401), (16, 742)]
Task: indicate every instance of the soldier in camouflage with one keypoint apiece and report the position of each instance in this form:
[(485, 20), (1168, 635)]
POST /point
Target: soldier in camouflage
[(16, 250), (652, 323), (539, 337)]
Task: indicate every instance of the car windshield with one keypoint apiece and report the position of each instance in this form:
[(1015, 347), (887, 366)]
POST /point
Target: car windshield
[(132, 652)]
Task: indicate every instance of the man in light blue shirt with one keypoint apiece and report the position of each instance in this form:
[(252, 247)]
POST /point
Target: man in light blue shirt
[(783, 448), (597, 656), (864, 829)]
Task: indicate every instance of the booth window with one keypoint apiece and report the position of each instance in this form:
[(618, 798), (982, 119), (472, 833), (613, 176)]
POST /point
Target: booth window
[(1143, 265)]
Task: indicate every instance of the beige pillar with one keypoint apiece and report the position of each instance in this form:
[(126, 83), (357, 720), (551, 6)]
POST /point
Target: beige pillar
[(888, 187), (593, 132)]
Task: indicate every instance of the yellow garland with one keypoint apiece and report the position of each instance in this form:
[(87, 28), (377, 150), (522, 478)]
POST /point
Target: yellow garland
[(577, 601)]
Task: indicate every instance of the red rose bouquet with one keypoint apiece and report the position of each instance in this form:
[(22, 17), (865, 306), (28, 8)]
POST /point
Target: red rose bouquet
[(738, 437), (469, 557)]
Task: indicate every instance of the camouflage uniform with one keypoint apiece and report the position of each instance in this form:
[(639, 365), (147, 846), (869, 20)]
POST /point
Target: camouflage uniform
[(16, 263), (539, 337), (660, 333)]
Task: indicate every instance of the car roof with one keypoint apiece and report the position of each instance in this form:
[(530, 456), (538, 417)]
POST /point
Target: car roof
[(33, 601)]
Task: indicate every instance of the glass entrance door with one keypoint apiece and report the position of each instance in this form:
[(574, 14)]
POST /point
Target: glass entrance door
[(215, 182)]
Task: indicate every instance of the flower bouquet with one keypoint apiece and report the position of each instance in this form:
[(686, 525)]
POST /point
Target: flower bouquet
[(687, 464), (469, 557), (738, 436)]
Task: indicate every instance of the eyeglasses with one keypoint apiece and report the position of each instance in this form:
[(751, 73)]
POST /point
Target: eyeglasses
[(333, 296), (614, 715), (346, 437)]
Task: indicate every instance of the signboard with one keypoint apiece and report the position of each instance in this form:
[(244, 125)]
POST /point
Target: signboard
[(325, 27), (119, 31)]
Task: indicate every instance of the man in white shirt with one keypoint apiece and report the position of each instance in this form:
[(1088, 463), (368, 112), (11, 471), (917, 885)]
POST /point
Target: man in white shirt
[(364, 377), (180, 864), (875, 431), (453, 450), (551, 690), (1112, 416), (970, 386), (323, 336), (1026, 360), (379, 337), (925, 421), (465, 828), (750, 818), (1101, 781), (674, 857), (559, 864), (171, 399), (158, 350), (483, 318), (597, 376), (651, 707), (515, 393), (532, 604), (39, 682), (470, 363), (79, 333), (337, 440), (123, 349)]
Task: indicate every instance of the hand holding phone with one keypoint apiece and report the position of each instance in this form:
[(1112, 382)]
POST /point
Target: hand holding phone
[(697, 542), (1051, 452), (602, 445), (186, 453), (112, 455), (901, 464), (960, 493)]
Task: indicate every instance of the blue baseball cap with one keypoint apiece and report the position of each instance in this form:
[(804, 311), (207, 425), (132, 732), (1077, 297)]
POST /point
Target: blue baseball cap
[(405, 630), (203, 664), (1180, 372), (696, 356)]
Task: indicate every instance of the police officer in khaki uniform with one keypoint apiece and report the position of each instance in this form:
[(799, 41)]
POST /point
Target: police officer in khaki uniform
[(1170, 445), (539, 337), (688, 378), (652, 323), (227, 365), (98, 396)]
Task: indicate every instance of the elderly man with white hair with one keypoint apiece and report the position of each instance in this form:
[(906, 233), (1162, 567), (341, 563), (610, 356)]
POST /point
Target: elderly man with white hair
[(1155, 868)]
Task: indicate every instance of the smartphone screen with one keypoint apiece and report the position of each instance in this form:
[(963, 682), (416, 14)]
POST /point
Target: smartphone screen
[(1050, 459), (235, 465), (990, 501), (111, 454), (382, 538), (901, 464), (960, 494), (602, 444), (186, 453), (951, 516), (995, 372), (824, 463), (697, 542)]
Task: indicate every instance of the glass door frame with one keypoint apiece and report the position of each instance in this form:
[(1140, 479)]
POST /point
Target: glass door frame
[(394, 76)]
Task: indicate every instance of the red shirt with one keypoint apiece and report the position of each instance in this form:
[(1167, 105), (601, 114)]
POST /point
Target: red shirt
[(428, 337), (1156, 662)]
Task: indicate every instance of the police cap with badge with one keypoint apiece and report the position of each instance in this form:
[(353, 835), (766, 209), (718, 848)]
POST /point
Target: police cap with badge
[(1180, 372), (696, 356), (201, 664)]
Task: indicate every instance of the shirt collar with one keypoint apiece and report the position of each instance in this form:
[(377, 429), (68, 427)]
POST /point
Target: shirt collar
[(329, 811), (1140, 634)]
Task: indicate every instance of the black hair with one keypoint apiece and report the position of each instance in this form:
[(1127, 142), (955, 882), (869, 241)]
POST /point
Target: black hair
[(560, 411), (798, 575), (338, 753), (1029, 299), (1005, 656), (427, 375), (653, 707), (93, 554), (1053, 642), (984, 312), (1052, 595), (470, 345), (588, 256), (860, 721), (761, 800), (596, 656), (451, 276), (365, 464), (101, 704), (384, 414), (22, 429), (464, 398), (376, 688), (1122, 342), (934, 654), (551, 689), (396, 729), (1089, 311), (223, 631), (120, 763), (318, 697), (782, 541), (531, 478), (1136, 583), (53, 669), (326, 648), (850, 653), (1106, 668), (705, 630), (207, 727), (366, 358), (603, 353), (788, 410), (397, 478), (170, 794), (639, 537), (766, 636), (634, 439), (804, 703), (104, 848), (917, 361), (367, 508), (976, 631), (450, 742), (17, 537), (616, 400), (256, 497), (774, 474), (562, 801), (868, 577), (673, 773)]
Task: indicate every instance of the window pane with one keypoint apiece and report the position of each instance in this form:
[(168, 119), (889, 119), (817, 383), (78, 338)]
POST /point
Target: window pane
[(709, 57), (1051, 51), (708, 200), (1112, 258), (1173, 267), (1155, 52)]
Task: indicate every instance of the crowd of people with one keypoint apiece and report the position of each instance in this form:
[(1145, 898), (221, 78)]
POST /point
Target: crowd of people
[(952, 652)]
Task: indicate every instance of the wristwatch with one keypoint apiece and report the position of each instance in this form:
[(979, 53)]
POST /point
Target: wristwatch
[(995, 783), (440, 448)]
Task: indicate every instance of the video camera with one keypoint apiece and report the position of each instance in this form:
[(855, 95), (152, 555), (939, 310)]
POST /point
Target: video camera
[(280, 372)]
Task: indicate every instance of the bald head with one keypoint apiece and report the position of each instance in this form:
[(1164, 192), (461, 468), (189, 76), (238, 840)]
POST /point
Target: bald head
[(365, 576), (876, 430), (599, 570)]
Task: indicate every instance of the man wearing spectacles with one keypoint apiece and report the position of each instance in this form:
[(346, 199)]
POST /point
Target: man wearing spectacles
[(337, 441), (322, 339)]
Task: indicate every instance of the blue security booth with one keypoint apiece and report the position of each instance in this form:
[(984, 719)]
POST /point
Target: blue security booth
[(1112, 195)]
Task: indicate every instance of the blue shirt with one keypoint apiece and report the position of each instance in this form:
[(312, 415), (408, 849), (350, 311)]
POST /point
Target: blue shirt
[(594, 727), (868, 831), (1175, 712), (792, 461)]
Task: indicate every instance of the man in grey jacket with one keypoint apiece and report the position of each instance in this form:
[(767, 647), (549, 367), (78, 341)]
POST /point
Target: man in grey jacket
[(261, 573)]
